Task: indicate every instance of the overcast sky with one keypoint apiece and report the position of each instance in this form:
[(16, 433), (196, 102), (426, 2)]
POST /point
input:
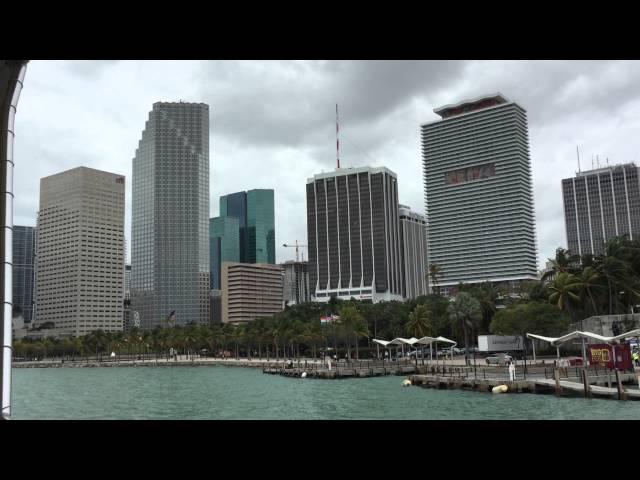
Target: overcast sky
[(272, 123)]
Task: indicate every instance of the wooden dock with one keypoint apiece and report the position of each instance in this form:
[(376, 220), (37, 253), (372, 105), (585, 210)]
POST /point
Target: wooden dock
[(562, 387)]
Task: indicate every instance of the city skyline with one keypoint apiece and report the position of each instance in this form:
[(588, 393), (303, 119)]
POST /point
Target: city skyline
[(289, 134)]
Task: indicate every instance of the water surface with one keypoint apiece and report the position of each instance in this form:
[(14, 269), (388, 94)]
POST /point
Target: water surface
[(246, 393)]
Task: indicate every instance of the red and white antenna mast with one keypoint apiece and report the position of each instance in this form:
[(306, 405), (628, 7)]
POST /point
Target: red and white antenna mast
[(337, 138)]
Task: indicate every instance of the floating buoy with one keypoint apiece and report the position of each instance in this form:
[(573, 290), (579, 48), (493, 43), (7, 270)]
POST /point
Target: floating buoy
[(304, 375), (500, 389), (406, 383)]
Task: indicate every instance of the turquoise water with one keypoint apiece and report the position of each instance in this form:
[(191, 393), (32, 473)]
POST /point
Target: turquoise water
[(246, 393)]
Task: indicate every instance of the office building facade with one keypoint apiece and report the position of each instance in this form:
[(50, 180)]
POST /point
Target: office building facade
[(250, 291), (296, 282), (601, 204), (479, 193), (413, 251), (170, 270), (353, 235), (24, 249), (224, 246), (215, 307), (80, 252), (254, 210)]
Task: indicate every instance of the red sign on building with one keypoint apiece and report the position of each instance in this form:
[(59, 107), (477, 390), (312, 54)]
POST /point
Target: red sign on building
[(602, 354)]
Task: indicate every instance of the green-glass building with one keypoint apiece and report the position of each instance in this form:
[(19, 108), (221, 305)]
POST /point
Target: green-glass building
[(224, 234), (260, 229), (254, 211)]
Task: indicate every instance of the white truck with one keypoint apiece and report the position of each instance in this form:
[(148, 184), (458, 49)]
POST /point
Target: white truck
[(499, 343)]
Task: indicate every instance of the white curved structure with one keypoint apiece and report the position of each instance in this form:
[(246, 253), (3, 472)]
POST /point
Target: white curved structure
[(12, 74)]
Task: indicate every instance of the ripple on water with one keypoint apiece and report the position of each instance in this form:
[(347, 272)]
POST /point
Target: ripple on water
[(243, 393)]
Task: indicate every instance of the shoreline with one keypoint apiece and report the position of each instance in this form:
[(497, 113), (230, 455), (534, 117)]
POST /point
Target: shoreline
[(162, 362)]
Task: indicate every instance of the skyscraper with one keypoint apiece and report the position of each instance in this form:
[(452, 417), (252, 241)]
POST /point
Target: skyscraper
[(478, 192), (24, 246), (413, 248), (254, 210), (601, 204), (80, 252), (224, 235), (353, 235), (170, 277)]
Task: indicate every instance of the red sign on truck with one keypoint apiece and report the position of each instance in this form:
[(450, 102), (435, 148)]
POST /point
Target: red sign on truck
[(602, 354)]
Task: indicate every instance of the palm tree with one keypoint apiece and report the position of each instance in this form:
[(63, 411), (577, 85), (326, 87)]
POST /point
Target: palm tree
[(562, 263), (434, 273), (466, 313), (565, 291), (419, 324), (589, 280), (615, 267)]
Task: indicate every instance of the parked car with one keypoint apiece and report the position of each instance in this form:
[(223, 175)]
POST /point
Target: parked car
[(499, 359)]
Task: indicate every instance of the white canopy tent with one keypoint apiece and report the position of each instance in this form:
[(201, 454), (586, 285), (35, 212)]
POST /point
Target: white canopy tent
[(416, 341), (557, 341)]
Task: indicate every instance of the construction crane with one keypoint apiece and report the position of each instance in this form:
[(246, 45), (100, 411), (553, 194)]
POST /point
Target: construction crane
[(296, 246)]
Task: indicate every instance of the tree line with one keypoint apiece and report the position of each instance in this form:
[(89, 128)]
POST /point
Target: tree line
[(574, 288)]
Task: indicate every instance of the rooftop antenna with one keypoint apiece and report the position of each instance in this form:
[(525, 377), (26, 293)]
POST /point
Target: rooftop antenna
[(578, 153), (337, 138), (598, 160)]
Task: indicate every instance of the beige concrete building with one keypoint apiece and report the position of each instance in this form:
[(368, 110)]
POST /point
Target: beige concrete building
[(80, 252), (250, 291)]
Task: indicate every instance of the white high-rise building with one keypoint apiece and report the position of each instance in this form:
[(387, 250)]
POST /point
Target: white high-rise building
[(601, 204), (479, 193), (80, 252)]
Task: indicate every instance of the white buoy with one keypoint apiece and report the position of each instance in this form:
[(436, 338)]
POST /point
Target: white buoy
[(406, 383), (304, 375), (500, 389)]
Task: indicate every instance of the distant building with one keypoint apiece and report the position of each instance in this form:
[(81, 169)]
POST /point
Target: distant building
[(601, 204), (127, 320), (170, 270), (215, 307), (413, 250), (479, 193), (224, 238), (254, 210), (80, 252), (250, 291), (24, 247), (353, 235), (296, 282)]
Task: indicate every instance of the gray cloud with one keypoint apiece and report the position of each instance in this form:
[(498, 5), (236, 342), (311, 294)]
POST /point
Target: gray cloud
[(272, 122)]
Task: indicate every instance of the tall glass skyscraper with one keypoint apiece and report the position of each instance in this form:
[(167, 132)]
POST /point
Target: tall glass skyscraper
[(261, 231), (24, 246), (170, 271), (224, 236), (254, 210), (479, 193)]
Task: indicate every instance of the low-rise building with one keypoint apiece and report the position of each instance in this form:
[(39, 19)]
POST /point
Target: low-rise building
[(250, 291)]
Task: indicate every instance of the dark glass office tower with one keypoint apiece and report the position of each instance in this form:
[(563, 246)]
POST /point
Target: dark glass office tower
[(170, 276), (254, 210), (24, 243), (224, 233), (353, 232), (601, 204), (235, 205)]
